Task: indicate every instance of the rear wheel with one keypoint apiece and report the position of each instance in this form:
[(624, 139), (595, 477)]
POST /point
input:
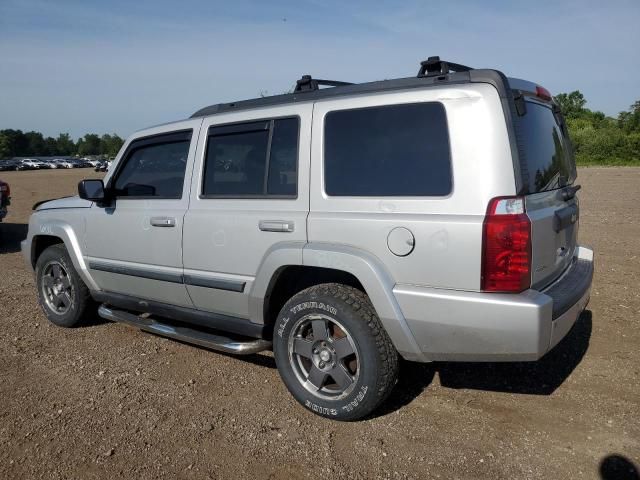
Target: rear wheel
[(64, 297), (332, 352)]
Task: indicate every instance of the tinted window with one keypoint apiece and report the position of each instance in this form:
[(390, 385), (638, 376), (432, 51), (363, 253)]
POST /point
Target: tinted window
[(239, 161), (236, 163), (155, 170), (396, 150), (283, 161), (547, 153)]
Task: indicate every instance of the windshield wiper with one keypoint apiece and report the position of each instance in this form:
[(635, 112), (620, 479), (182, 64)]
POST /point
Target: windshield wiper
[(569, 192)]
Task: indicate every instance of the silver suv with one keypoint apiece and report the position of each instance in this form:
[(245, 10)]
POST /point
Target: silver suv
[(428, 218)]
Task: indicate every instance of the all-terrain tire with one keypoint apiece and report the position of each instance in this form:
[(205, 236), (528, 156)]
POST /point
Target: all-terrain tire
[(62, 294), (349, 314)]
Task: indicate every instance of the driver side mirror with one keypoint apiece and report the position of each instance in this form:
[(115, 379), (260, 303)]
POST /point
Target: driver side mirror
[(92, 189)]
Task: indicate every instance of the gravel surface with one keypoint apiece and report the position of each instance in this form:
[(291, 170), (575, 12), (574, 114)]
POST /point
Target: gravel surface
[(108, 401)]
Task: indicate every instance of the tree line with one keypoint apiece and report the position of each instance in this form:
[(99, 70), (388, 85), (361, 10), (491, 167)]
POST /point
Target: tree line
[(16, 143), (597, 138)]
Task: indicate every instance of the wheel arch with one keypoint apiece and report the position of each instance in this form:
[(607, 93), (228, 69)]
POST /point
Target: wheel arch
[(56, 232), (304, 265)]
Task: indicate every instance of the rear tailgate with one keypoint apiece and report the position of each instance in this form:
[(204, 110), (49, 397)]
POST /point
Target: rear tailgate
[(549, 174), (554, 230)]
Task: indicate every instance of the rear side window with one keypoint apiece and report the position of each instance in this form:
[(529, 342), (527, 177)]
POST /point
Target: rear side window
[(154, 167), (547, 152), (253, 159), (393, 150)]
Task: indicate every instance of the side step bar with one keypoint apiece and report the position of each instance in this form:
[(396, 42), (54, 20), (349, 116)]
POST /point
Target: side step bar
[(185, 334)]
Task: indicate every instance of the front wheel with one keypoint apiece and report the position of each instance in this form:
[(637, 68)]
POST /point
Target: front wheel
[(64, 297), (332, 352)]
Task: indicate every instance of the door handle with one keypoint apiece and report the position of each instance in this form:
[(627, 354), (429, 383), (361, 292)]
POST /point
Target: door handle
[(163, 221), (276, 226)]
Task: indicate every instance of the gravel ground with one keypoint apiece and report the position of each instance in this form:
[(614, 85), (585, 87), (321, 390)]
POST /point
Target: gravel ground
[(108, 401)]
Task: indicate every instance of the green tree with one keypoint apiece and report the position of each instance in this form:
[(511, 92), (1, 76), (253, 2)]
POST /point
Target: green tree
[(5, 151), (110, 144), (630, 121), (572, 104), (15, 143), (35, 144), (51, 146), (89, 145), (65, 144)]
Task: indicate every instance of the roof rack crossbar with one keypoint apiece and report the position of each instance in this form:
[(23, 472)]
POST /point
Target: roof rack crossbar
[(309, 84), (434, 66)]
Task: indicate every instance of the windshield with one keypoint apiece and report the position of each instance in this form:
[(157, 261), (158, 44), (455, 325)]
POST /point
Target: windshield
[(547, 150)]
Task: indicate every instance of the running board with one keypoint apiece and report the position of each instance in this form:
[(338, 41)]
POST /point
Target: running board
[(185, 334)]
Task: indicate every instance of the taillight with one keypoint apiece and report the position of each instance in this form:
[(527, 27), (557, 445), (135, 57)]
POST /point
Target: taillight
[(543, 93), (4, 188), (506, 246)]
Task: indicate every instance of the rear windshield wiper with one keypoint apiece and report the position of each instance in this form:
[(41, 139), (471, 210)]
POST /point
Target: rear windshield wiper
[(569, 192)]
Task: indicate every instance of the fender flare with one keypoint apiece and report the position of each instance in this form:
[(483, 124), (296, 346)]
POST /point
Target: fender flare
[(364, 266), (378, 285), (63, 231), (280, 255)]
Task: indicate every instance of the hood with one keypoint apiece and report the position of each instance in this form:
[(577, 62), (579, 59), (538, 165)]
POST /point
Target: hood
[(64, 202)]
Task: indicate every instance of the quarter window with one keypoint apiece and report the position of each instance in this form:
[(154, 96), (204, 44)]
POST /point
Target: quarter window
[(154, 167), (257, 159), (392, 150)]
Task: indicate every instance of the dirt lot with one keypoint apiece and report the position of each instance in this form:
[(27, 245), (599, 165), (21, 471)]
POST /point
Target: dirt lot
[(107, 401)]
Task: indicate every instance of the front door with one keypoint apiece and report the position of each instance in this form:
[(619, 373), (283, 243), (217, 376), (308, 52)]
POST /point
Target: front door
[(134, 244)]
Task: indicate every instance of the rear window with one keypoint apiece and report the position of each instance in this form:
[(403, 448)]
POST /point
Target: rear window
[(393, 150), (547, 152)]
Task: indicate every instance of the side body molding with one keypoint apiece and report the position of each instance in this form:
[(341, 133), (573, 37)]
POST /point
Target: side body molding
[(377, 283), (65, 232)]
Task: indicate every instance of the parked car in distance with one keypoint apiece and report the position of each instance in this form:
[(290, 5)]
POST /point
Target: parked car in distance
[(42, 163), (8, 165), (49, 163), (429, 218), (102, 166), (63, 163), (30, 164), (92, 162), (5, 198)]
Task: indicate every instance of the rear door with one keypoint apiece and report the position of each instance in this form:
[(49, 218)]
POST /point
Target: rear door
[(549, 178), (249, 194)]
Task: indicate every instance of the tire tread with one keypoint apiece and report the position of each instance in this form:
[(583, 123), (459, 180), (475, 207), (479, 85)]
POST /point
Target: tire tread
[(359, 302)]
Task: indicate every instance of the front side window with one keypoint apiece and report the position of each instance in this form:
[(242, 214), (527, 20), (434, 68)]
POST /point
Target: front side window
[(257, 159), (392, 150), (154, 168)]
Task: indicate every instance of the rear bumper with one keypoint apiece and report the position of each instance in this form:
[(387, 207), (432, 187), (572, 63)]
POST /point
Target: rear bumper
[(473, 326)]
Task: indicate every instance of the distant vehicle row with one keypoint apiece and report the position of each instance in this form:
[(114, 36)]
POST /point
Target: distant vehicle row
[(50, 163)]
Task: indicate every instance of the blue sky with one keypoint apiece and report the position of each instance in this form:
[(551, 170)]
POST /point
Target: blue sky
[(118, 66)]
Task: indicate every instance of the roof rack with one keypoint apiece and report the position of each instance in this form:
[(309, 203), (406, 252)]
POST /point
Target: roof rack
[(309, 84), (433, 66), (308, 88)]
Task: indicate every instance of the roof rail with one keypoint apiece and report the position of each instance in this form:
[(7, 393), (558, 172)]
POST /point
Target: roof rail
[(309, 84), (434, 66)]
